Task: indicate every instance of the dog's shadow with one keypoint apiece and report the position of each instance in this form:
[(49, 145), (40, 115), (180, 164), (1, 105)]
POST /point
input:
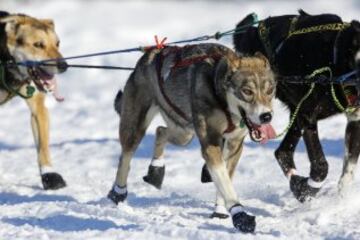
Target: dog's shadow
[(57, 221), (67, 223), (174, 199), (14, 199), (332, 147)]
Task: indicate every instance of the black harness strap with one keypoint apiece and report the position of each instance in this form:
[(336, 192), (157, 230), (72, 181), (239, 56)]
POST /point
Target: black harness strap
[(159, 64)]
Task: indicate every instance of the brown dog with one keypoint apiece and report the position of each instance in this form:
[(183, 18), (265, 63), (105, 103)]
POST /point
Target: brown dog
[(24, 38)]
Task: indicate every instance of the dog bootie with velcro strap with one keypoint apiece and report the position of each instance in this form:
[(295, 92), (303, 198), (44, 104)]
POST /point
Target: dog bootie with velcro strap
[(52, 181), (205, 175), (117, 194), (301, 189), (155, 176), (241, 220)]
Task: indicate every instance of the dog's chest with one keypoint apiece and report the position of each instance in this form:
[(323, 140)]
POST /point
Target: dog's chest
[(239, 131), (3, 95)]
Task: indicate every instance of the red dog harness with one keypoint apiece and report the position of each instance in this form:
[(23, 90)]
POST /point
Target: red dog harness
[(180, 63)]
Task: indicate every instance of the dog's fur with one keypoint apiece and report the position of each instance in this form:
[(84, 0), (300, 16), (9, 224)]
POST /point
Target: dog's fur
[(300, 55), (204, 91), (25, 38)]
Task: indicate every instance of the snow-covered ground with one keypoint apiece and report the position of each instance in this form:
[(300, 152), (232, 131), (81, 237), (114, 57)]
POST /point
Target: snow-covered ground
[(85, 149)]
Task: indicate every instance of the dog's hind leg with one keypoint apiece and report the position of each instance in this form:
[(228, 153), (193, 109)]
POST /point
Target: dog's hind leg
[(156, 170), (352, 150), (181, 137), (302, 187), (40, 128), (136, 114)]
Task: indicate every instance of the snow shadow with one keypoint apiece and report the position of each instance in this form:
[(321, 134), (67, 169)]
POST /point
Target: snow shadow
[(10, 147), (66, 223), (174, 199), (331, 147), (14, 198), (84, 141), (81, 141)]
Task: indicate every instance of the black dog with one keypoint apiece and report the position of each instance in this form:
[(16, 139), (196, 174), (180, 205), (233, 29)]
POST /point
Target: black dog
[(297, 45)]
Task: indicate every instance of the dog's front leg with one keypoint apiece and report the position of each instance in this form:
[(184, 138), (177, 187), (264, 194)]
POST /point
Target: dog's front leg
[(217, 167), (211, 141), (231, 153), (284, 154), (40, 128)]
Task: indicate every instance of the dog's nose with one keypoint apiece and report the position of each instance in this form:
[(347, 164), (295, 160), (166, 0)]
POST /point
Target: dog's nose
[(62, 66), (265, 117)]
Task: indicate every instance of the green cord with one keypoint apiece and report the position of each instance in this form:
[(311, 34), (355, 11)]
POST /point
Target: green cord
[(309, 92), (333, 94), (338, 103), (29, 89), (297, 109), (336, 100)]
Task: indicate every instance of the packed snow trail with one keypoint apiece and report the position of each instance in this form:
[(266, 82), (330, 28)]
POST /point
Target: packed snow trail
[(85, 148)]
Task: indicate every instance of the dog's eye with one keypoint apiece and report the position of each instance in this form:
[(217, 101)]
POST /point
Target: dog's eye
[(58, 43), (247, 92), (270, 91), (40, 45)]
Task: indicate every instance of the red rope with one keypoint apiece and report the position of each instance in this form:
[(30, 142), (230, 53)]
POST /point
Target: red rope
[(160, 44), (189, 61)]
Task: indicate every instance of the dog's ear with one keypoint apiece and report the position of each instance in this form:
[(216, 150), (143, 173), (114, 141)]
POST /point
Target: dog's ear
[(48, 22), (264, 59), (356, 25), (221, 70), (11, 23)]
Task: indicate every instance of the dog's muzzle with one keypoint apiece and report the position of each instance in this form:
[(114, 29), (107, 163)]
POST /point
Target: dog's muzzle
[(62, 66), (45, 80), (259, 133), (265, 117)]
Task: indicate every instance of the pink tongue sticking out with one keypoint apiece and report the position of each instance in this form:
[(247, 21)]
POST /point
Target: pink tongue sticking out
[(267, 132), (52, 84)]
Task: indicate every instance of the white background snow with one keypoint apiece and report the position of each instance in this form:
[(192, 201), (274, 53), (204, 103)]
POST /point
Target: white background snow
[(85, 148)]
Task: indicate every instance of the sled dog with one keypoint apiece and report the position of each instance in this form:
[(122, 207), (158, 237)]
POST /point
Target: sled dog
[(204, 89), (24, 38)]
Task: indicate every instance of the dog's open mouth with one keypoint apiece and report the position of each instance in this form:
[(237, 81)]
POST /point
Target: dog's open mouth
[(259, 133), (45, 81)]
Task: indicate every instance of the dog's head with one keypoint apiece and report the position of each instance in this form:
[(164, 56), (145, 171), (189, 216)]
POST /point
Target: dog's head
[(250, 89), (31, 39)]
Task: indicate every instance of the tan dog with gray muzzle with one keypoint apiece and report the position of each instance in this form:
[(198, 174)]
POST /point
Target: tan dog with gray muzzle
[(24, 38)]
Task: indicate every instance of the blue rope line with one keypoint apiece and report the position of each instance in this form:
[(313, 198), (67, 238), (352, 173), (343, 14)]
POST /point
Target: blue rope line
[(216, 36), (347, 77)]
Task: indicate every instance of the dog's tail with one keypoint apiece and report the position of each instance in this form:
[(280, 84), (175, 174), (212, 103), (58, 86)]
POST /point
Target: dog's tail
[(117, 102)]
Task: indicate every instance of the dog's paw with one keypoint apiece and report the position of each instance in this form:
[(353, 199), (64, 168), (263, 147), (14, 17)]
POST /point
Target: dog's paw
[(244, 222), (52, 181), (117, 194), (205, 175), (155, 176), (300, 188)]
